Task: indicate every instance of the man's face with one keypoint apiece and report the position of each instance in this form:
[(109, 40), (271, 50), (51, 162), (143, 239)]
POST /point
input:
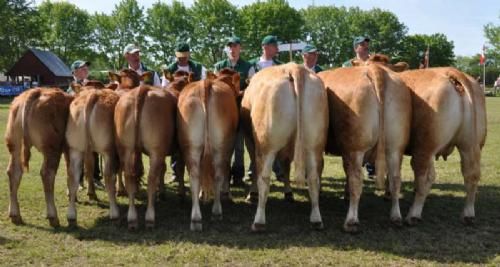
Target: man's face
[(310, 58), (362, 48), (234, 51), (133, 59), (81, 73), (270, 49), (182, 61)]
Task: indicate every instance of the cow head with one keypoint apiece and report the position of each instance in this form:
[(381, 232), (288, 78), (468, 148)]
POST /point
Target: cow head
[(94, 83), (179, 80), (128, 79), (231, 78), (382, 60)]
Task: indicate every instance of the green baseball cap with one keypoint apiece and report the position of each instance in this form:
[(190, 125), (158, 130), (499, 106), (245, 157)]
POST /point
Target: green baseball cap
[(233, 40), (270, 39), (359, 39), (309, 48), (130, 49), (181, 49), (78, 64)]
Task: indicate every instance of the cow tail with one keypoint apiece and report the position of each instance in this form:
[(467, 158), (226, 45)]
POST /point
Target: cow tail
[(377, 76), (206, 167), (142, 92), (296, 78), (89, 106), (26, 113)]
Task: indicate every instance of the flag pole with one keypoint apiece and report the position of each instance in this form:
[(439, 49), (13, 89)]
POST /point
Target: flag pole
[(484, 76)]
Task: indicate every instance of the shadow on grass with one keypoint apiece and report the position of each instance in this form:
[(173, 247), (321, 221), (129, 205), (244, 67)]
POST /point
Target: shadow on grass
[(441, 237)]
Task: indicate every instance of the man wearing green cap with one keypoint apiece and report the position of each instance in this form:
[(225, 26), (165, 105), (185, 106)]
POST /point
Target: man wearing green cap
[(80, 70), (184, 63), (269, 51), (133, 57), (246, 71), (361, 49), (310, 57)]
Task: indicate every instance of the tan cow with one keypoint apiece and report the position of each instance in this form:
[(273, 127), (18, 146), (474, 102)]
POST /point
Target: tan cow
[(370, 112), (284, 113), (37, 118), (207, 121), (90, 129), (144, 123), (448, 112), (383, 60)]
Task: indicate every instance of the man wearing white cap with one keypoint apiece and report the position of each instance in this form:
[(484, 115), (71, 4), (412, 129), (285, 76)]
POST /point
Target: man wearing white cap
[(133, 57)]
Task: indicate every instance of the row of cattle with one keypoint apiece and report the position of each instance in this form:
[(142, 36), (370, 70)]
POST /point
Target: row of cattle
[(367, 113)]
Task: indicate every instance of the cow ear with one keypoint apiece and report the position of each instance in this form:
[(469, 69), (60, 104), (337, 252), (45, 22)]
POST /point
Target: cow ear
[(146, 76), (114, 77), (236, 82), (190, 77), (112, 86), (355, 63), (77, 88), (168, 75), (211, 75), (400, 67)]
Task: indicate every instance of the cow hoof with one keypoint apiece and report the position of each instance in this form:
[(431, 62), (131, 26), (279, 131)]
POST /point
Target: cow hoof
[(54, 222), (469, 221), (216, 217), (318, 226), (413, 221), (121, 193), (72, 224), (252, 198), (196, 226), (93, 197), (351, 227), (397, 222), (289, 197), (17, 220), (150, 225), (133, 225), (258, 227)]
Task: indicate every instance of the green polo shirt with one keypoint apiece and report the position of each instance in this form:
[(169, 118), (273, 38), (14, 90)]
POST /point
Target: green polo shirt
[(242, 67), (194, 66), (255, 63), (348, 63), (317, 69)]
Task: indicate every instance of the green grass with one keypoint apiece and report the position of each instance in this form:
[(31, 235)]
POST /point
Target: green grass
[(439, 239)]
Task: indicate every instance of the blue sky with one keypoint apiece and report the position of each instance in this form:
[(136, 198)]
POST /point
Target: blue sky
[(461, 21)]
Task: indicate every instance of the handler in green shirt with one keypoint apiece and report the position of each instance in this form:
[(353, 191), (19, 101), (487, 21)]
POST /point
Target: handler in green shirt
[(185, 63), (246, 71), (269, 52), (310, 57)]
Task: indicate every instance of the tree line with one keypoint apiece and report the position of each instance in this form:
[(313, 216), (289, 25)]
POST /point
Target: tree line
[(73, 33)]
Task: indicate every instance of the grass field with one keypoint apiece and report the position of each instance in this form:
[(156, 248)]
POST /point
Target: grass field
[(440, 239)]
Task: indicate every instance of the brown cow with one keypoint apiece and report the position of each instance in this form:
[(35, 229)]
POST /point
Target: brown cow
[(383, 60), (370, 112), (284, 113), (144, 122), (90, 129), (448, 112), (37, 118), (207, 121)]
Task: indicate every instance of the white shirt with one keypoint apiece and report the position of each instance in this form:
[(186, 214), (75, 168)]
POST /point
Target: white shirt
[(165, 81), (263, 63)]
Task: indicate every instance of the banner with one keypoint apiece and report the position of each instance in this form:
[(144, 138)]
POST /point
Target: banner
[(11, 90)]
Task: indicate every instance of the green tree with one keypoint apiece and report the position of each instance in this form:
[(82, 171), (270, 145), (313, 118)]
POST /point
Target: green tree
[(274, 17), (412, 49), (165, 24), (18, 31), (66, 30), (213, 21)]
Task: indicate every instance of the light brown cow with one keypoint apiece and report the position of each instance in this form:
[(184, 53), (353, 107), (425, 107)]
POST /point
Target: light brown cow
[(370, 112), (284, 113), (207, 121), (145, 123), (448, 112), (90, 129), (382, 60), (37, 118)]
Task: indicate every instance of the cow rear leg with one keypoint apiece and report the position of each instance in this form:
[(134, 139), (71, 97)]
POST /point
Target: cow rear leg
[(74, 174), (89, 175), (157, 169), (48, 174), (194, 173), (131, 178), (285, 168), (394, 184), (352, 164), (423, 168), (15, 172), (263, 165), (471, 171), (109, 173), (313, 170)]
